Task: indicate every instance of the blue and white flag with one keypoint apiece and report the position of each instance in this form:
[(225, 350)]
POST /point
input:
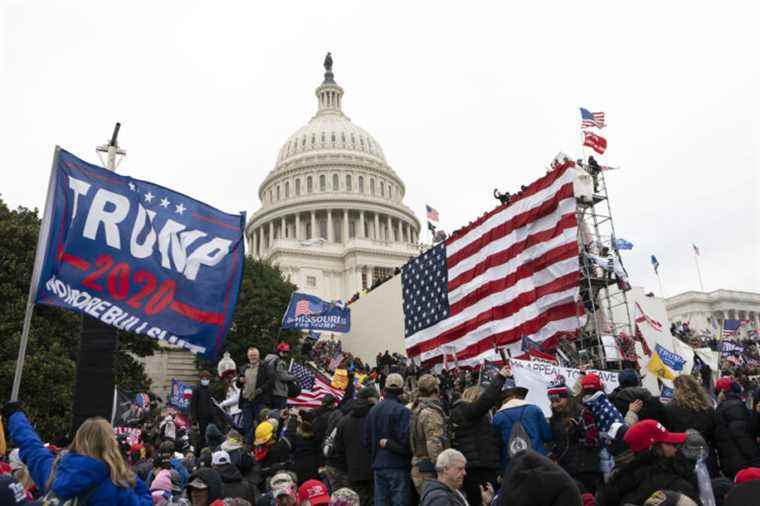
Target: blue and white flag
[(674, 361), (138, 256), (309, 312), (622, 244)]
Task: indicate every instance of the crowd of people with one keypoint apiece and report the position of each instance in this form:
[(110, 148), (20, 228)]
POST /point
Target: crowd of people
[(403, 435)]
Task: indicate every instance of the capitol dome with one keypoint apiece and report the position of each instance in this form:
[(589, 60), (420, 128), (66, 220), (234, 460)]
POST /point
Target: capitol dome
[(332, 214)]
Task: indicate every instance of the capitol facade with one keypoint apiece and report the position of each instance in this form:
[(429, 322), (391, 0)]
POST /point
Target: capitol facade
[(332, 215)]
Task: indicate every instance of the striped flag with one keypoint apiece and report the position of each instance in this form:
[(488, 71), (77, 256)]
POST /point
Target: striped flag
[(595, 142), (592, 119), (432, 214), (314, 387), (512, 273)]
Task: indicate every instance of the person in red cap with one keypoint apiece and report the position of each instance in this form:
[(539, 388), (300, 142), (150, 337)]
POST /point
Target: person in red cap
[(277, 366), (657, 465), (737, 429), (312, 493)]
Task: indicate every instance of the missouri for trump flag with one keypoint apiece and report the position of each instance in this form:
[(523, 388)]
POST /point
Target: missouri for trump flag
[(513, 273)]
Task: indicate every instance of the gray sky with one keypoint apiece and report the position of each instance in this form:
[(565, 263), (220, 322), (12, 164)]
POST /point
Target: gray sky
[(461, 100)]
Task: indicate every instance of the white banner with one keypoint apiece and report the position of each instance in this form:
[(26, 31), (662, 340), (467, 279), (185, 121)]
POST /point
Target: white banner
[(536, 377)]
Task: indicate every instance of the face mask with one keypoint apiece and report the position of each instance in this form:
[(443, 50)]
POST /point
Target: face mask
[(205, 382)]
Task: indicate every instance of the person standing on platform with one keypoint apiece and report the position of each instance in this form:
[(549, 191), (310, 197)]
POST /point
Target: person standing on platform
[(256, 387), (202, 406)]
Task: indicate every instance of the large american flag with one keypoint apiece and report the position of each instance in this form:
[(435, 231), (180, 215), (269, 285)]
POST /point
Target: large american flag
[(314, 386), (592, 119), (513, 273)]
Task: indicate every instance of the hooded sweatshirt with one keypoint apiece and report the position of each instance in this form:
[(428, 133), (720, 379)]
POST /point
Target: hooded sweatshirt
[(533, 480)]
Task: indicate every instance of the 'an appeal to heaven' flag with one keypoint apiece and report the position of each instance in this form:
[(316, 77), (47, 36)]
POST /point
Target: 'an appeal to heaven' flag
[(512, 273), (432, 214), (138, 256), (309, 312), (595, 142), (314, 387), (592, 119)]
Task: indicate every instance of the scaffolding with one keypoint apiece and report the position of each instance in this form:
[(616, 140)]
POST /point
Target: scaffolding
[(604, 313)]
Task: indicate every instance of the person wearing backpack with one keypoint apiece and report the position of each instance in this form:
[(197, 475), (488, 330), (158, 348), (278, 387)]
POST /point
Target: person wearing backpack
[(522, 426), (93, 470), (428, 433), (277, 369)]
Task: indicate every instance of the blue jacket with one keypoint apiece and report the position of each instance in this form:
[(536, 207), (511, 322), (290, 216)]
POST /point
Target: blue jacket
[(533, 420), (389, 419), (75, 474)]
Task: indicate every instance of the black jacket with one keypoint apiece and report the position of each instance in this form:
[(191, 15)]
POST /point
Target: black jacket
[(233, 484), (305, 456), (212, 479), (435, 493), (263, 383), (532, 479), (471, 428), (680, 419), (322, 416), (202, 408), (350, 455), (652, 409), (647, 473), (735, 436), (567, 444)]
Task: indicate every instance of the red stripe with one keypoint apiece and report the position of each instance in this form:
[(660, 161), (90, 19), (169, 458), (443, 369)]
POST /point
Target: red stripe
[(544, 209), (214, 221), (197, 314), (501, 257), (93, 174), (524, 271), (75, 261), (500, 312), (512, 335), (535, 187)]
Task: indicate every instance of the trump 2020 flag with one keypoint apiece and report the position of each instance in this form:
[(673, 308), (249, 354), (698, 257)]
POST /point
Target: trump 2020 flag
[(309, 312), (138, 256)]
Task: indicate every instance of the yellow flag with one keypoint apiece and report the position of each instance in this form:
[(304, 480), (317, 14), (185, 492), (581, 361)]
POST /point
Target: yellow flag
[(658, 368), (340, 379)]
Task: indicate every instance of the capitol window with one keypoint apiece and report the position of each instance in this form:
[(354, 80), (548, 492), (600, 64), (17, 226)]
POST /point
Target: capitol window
[(309, 185), (390, 191), (298, 187), (372, 186), (336, 182), (311, 281), (382, 189), (270, 197), (322, 183), (361, 184), (287, 189), (278, 193), (349, 187)]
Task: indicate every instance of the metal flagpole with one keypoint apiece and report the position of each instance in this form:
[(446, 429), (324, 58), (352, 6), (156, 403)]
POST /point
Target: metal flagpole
[(662, 291), (42, 240), (699, 272)]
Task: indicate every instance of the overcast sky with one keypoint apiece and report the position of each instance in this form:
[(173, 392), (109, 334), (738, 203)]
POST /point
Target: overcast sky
[(462, 98)]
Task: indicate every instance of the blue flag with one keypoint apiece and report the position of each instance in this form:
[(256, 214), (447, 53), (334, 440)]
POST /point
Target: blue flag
[(670, 359), (622, 244), (138, 256), (308, 312), (655, 264)]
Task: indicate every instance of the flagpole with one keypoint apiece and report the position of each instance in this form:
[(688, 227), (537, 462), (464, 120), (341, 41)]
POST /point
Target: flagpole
[(659, 280), (39, 256), (699, 272)]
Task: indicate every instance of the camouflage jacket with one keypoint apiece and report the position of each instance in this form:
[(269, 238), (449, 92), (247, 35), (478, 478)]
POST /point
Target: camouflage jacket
[(428, 433)]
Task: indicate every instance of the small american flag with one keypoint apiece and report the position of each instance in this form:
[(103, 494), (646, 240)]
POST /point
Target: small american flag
[(432, 214), (303, 308), (314, 387), (592, 119)]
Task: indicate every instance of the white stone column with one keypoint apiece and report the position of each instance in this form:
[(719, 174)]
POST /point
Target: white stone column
[(283, 229), (330, 231), (271, 233), (390, 229), (254, 244), (400, 231), (298, 226), (345, 226), (313, 225), (371, 275), (259, 242), (361, 225), (377, 227)]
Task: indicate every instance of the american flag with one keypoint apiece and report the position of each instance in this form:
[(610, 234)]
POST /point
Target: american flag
[(592, 119), (731, 327), (514, 272), (432, 214), (304, 308), (314, 387), (642, 317)]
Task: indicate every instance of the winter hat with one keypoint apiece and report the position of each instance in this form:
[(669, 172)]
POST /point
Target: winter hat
[(209, 478), (642, 435), (313, 492), (205, 456), (11, 491), (368, 393), (345, 497), (695, 446), (591, 381), (214, 436), (747, 474), (558, 389), (669, 498), (533, 480), (628, 378)]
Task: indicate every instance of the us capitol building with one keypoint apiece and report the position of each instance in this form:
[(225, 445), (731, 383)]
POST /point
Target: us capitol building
[(332, 215)]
